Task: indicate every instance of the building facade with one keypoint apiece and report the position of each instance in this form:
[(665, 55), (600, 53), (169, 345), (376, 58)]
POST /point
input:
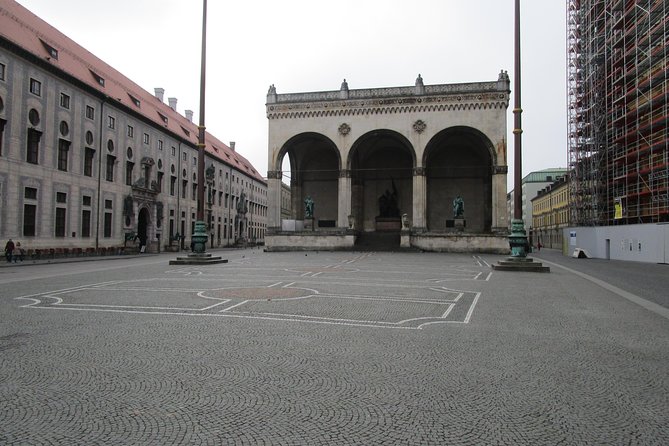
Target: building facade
[(550, 214), (618, 111), (390, 159), (530, 185), (89, 159)]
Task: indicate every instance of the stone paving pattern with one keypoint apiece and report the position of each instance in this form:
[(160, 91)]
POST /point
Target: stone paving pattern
[(545, 359)]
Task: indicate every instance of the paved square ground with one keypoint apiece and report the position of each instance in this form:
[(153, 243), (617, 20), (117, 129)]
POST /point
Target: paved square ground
[(325, 348)]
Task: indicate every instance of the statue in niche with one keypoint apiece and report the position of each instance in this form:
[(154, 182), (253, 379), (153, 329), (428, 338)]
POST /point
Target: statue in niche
[(127, 206), (242, 209), (458, 207), (388, 204), (309, 207), (210, 172)]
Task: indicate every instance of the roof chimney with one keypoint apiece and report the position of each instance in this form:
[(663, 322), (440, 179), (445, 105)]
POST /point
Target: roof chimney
[(159, 93), (173, 103), (189, 115), (232, 145)]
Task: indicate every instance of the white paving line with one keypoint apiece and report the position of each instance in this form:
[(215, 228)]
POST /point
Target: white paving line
[(648, 305)]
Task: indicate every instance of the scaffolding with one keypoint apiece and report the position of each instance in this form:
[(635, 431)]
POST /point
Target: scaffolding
[(617, 91)]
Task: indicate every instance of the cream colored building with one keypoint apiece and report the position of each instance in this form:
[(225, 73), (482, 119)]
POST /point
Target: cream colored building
[(355, 151), (87, 157), (550, 214)]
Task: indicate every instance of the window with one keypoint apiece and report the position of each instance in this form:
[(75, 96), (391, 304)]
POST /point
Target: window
[(61, 197), (99, 79), (195, 161), (29, 214), (160, 145), (33, 117), (108, 225), (3, 68), (32, 151), (134, 100), (184, 186), (89, 137), (194, 196), (60, 222), (159, 179), (30, 193), (49, 49), (63, 150), (111, 122), (86, 200), (173, 183), (64, 101), (107, 230), (129, 166), (174, 151), (184, 156), (111, 160), (90, 112), (131, 131), (89, 155), (2, 130), (64, 128), (35, 87), (86, 223), (146, 138)]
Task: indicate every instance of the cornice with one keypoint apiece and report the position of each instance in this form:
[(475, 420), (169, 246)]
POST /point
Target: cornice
[(389, 105)]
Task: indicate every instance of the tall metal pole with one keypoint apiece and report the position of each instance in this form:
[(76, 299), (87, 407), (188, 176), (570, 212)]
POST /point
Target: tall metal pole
[(201, 127), (517, 128), (518, 237), (200, 235)]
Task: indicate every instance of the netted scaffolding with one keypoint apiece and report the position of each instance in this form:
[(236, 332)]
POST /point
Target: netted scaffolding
[(617, 111)]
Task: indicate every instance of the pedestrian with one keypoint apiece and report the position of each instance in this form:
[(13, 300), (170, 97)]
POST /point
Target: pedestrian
[(17, 253), (9, 249), (539, 245)]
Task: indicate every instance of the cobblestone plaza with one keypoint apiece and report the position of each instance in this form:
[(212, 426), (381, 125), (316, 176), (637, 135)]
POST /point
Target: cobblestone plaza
[(332, 348)]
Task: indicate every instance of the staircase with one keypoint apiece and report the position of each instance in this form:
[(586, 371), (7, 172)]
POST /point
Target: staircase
[(378, 241)]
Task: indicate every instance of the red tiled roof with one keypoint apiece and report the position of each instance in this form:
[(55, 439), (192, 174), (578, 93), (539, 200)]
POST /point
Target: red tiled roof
[(23, 28)]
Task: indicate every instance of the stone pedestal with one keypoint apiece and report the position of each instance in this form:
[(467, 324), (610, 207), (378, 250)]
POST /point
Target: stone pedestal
[(388, 224), (309, 224), (459, 224), (521, 264), (405, 238), (196, 258)]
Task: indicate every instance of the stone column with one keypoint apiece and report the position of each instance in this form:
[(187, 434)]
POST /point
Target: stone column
[(273, 199), (499, 211), (344, 198), (419, 220)]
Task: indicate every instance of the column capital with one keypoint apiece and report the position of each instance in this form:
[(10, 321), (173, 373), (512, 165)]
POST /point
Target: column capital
[(274, 174), (500, 170), (345, 173), (419, 171)]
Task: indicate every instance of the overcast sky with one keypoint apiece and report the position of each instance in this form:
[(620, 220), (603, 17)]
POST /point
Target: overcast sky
[(312, 45)]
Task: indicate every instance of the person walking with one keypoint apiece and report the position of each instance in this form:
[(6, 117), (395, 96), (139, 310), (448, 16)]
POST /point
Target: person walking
[(17, 253), (9, 250)]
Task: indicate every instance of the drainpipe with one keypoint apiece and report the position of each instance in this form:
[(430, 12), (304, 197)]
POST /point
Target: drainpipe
[(230, 227), (100, 152), (178, 216)]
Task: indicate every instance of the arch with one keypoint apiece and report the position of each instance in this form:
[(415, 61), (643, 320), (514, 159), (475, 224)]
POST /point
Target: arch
[(459, 161), (315, 163), (381, 164)]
